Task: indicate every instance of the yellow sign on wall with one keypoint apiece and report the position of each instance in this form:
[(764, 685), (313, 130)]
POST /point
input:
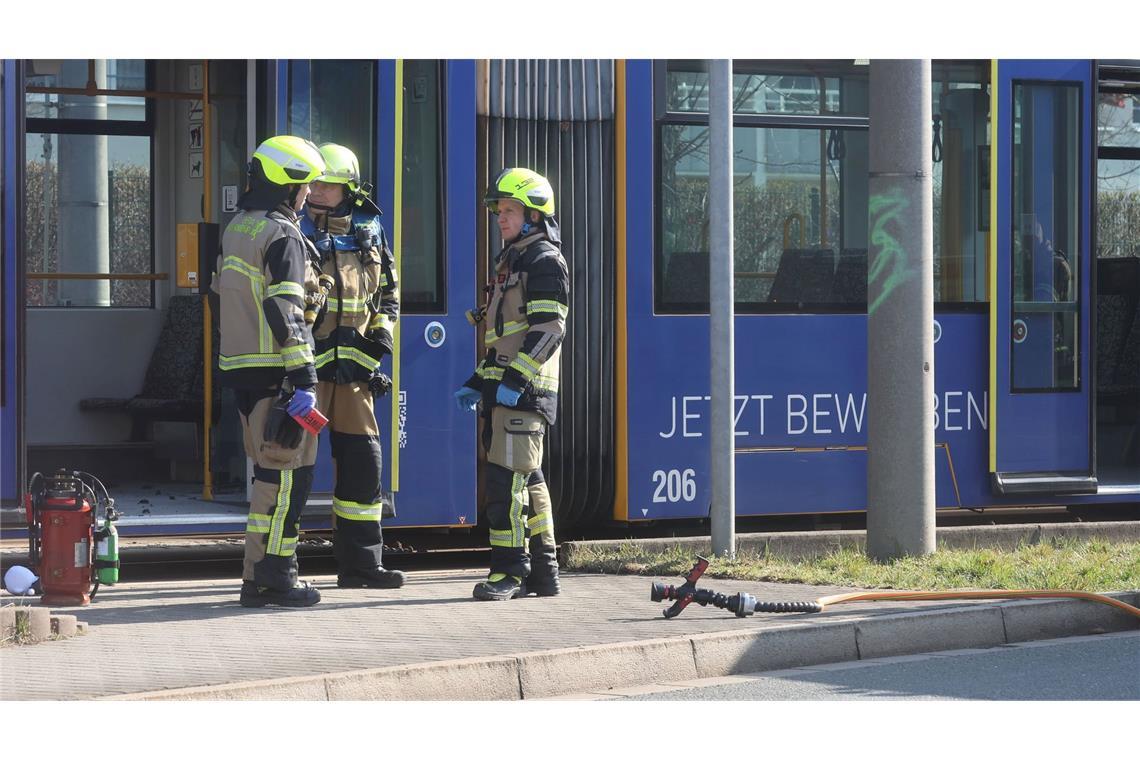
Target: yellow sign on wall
[(187, 253)]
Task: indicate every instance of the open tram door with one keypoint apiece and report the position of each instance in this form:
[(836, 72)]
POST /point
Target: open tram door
[(1116, 288), (1041, 166), (106, 163), (11, 315)]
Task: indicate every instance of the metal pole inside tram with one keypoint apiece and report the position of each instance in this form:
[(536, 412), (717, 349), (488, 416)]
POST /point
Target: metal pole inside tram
[(900, 313), (722, 444)]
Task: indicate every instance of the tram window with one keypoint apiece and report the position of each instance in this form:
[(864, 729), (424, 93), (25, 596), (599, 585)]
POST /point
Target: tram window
[(789, 200), (1045, 230), (772, 87), (109, 74), (334, 101), (961, 169), (422, 239), (88, 199), (1118, 120), (87, 204), (1118, 175), (800, 221), (1118, 208)]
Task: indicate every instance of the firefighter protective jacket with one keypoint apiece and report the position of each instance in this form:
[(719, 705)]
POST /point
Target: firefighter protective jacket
[(356, 329), (264, 270), (525, 321)]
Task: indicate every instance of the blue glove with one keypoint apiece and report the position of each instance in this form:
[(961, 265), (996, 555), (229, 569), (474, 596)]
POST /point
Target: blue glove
[(303, 400), (467, 399), (507, 396)]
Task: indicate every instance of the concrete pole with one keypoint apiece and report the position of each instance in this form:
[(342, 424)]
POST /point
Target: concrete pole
[(900, 314), (722, 441), (84, 232)]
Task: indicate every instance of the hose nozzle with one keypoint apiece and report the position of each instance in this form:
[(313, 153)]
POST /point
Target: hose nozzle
[(741, 604)]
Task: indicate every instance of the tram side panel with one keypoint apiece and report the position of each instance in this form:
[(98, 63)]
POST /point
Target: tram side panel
[(801, 422), (801, 384)]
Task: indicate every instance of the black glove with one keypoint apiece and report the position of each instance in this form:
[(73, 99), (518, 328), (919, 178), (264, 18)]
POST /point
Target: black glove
[(280, 427), (379, 383), (381, 336)]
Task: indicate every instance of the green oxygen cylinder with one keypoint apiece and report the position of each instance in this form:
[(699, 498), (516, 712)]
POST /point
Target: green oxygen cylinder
[(107, 550)]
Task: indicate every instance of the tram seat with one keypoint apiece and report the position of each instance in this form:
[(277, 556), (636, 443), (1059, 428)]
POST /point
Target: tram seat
[(687, 279), (804, 275), (172, 388), (850, 285)]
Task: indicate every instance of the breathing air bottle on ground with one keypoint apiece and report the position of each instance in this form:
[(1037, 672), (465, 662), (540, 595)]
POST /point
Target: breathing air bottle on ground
[(62, 528), (107, 549)]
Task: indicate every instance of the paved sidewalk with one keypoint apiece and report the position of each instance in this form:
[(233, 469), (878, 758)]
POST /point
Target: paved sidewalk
[(152, 636)]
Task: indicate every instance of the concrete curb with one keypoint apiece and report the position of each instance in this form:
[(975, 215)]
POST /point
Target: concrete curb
[(537, 675), (797, 545), (38, 624)]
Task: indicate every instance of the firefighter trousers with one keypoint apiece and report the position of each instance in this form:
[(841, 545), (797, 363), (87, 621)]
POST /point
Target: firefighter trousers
[(519, 515), (282, 479), (358, 542)]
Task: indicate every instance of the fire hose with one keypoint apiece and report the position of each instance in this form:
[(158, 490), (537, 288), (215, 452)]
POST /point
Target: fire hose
[(744, 604)]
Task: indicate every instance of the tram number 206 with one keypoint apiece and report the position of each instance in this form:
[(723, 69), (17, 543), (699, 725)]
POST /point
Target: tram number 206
[(674, 485)]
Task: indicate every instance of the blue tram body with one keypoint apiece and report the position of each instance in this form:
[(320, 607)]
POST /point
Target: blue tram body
[(1017, 347)]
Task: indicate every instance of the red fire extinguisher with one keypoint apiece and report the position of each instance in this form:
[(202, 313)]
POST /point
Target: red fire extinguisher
[(62, 515)]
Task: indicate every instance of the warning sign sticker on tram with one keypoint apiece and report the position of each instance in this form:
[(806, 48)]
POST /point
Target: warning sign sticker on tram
[(195, 136)]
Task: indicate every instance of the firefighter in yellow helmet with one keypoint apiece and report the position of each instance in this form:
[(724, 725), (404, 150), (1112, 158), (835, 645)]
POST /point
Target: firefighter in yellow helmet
[(517, 384), (353, 334), (264, 270)]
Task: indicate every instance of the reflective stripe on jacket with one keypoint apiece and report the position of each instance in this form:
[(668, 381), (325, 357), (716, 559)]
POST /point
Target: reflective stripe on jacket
[(525, 322), (355, 331), (263, 272)]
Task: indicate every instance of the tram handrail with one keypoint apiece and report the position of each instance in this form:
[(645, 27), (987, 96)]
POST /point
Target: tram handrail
[(94, 276)]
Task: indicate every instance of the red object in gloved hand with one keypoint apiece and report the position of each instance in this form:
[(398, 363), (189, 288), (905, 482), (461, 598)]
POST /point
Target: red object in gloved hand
[(302, 400), (302, 407)]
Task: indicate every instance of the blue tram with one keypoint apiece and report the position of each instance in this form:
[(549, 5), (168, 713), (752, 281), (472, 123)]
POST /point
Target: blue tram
[(118, 173)]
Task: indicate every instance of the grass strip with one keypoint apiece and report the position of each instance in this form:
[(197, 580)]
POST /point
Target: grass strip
[(1070, 564)]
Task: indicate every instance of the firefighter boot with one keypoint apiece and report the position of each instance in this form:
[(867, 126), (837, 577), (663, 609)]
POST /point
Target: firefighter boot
[(275, 582), (358, 546), (543, 578), (300, 595), (499, 587), (376, 577)]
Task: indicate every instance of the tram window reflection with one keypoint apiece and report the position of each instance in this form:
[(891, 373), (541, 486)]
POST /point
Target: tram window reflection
[(800, 192)]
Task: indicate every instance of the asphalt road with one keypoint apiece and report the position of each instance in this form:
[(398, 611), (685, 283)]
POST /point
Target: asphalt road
[(1105, 667)]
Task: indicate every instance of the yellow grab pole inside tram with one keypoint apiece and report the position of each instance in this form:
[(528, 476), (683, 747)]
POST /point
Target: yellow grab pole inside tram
[(207, 326)]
